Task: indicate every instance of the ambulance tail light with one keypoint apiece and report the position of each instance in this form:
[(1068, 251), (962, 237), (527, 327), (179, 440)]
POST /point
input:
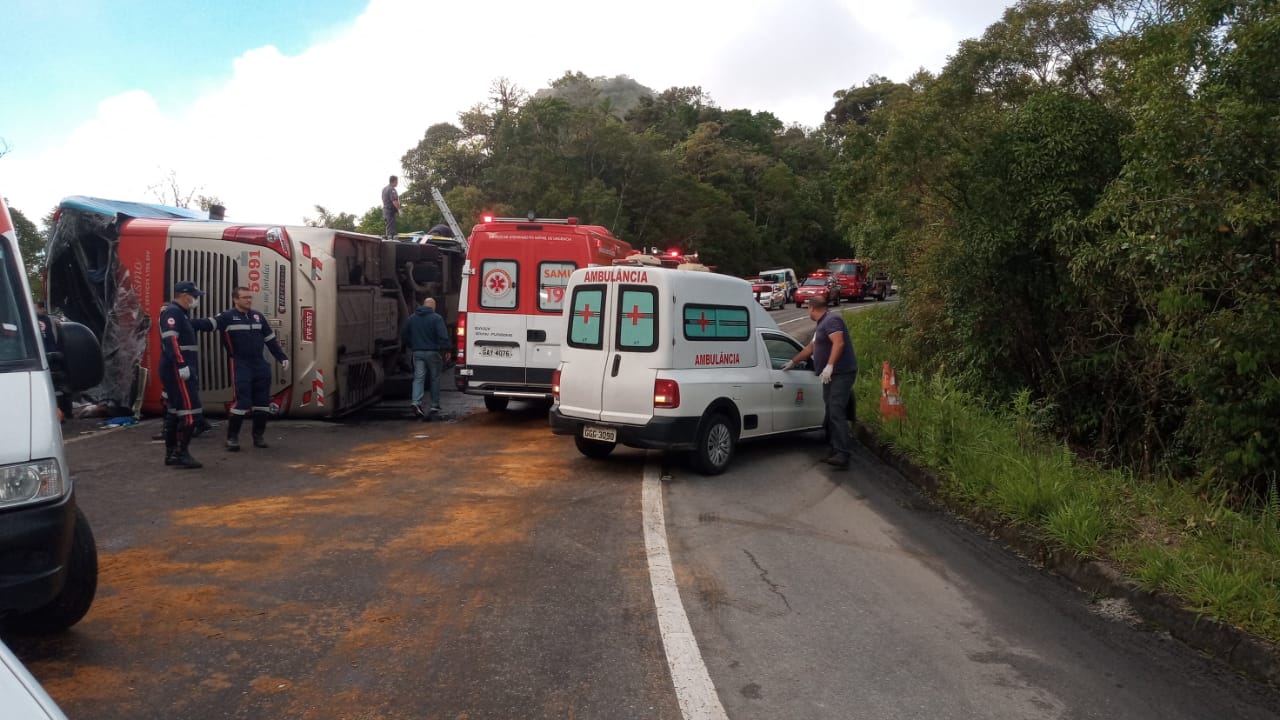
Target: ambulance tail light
[(461, 349), (555, 385), (666, 394), (274, 238)]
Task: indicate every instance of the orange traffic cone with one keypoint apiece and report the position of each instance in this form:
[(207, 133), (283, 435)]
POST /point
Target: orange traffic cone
[(890, 402)]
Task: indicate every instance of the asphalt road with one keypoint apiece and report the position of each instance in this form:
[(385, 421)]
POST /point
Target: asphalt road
[(480, 568)]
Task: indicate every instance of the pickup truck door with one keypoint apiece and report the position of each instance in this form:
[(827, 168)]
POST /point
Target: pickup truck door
[(797, 393)]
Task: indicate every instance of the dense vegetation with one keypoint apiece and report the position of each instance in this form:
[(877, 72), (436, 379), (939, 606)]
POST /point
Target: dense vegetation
[(1080, 207)]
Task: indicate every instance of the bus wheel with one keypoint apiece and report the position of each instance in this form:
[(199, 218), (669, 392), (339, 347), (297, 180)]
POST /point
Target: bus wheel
[(493, 403)]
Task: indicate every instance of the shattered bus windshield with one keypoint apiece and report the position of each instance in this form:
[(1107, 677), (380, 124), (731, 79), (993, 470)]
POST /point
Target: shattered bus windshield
[(18, 347)]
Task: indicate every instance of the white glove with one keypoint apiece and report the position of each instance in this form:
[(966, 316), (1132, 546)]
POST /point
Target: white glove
[(184, 373), (788, 365), (826, 374), (284, 366)]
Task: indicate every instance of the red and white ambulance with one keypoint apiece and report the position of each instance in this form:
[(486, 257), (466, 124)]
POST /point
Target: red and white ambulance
[(509, 320)]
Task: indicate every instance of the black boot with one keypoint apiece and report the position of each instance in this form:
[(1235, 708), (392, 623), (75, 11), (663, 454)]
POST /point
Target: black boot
[(259, 429), (233, 432), (182, 458), (170, 438)]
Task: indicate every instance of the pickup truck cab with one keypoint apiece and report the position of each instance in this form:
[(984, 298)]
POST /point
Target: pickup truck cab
[(48, 558), (675, 360)]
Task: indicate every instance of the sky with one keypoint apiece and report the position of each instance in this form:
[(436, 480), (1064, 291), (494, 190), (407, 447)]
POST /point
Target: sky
[(276, 106)]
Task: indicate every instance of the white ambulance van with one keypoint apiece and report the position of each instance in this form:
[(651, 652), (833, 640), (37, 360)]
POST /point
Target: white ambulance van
[(676, 360), (48, 558), (509, 319)]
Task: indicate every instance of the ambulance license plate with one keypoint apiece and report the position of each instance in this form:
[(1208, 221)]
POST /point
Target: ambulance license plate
[(603, 434)]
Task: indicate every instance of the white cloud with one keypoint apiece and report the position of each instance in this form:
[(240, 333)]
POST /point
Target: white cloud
[(328, 125)]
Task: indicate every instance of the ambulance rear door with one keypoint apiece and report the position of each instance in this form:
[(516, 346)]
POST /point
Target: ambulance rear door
[(496, 329), (633, 318)]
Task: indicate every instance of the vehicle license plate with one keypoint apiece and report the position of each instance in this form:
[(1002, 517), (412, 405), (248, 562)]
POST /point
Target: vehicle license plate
[(603, 434), (502, 352)]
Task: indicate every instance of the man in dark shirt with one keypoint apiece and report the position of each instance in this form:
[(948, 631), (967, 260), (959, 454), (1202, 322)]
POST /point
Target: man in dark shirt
[(426, 335), (391, 208), (247, 334), (46, 328), (179, 365), (835, 361)]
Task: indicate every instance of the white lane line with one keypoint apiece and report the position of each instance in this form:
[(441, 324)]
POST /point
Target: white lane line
[(694, 690), (787, 322)]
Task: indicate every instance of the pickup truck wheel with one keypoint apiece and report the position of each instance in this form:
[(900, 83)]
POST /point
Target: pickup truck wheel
[(593, 448), (493, 403), (716, 442), (73, 601)]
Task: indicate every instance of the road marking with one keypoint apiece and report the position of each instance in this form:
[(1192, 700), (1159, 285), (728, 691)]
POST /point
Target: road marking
[(694, 690), (784, 322)]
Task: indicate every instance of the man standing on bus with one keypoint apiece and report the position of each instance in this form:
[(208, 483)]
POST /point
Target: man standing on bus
[(247, 333), (179, 365), (391, 208)]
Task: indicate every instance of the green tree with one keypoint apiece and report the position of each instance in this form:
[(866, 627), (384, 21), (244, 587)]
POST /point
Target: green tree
[(31, 243)]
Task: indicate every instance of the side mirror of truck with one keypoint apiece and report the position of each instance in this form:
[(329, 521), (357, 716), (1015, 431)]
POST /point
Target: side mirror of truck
[(79, 358)]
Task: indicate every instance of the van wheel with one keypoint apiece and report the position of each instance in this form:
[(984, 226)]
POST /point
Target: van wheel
[(73, 601), (493, 403), (716, 441), (593, 448)]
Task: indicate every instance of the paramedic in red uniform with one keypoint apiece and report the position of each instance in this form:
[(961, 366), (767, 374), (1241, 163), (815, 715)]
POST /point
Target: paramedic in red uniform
[(179, 368), (247, 333)]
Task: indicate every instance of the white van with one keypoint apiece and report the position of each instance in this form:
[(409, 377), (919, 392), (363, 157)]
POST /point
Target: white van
[(48, 559), (786, 277), (676, 360)]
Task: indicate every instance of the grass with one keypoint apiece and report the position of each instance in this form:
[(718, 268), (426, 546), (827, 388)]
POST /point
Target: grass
[(1221, 562)]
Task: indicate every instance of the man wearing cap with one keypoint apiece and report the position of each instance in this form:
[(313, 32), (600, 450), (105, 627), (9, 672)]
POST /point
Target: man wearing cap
[(246, 333), (179, 366)]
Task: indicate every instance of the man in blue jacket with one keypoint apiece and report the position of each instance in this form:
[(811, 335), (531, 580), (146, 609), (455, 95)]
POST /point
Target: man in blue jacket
[(179, 365), (247, 333), (425, 333)]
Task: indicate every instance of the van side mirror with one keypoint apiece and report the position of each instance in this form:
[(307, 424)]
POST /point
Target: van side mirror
[(79, 357)]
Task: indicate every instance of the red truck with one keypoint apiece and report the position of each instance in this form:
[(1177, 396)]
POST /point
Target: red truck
[(856, 280)]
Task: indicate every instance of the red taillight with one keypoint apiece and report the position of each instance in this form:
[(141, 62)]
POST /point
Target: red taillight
[(462, 339), (673, 253), (666, 394), (275, 238), (555, 384)]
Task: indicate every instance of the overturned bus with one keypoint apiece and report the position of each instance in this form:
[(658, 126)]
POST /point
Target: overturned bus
[(336, 299)]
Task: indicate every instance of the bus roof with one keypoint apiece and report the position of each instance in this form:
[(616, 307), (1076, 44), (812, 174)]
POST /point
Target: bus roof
[(102, 206)]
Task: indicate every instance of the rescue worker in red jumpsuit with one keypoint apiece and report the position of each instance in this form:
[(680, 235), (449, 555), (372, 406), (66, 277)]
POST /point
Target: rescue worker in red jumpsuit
[(246, 333), (179, 373)]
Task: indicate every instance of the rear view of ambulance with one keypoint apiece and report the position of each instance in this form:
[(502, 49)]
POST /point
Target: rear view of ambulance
[(676, 360), (509, 319)]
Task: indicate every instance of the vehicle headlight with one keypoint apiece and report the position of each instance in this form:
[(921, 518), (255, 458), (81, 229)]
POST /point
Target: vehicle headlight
[(31, 482)]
